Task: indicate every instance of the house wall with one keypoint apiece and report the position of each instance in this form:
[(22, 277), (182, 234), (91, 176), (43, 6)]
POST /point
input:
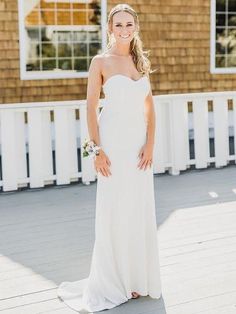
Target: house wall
[(177, 33)]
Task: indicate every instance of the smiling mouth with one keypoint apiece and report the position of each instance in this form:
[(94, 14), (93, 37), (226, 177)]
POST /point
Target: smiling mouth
[(124, 36)]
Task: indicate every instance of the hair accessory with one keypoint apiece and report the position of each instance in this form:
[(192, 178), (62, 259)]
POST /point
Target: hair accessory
[(123, 9)]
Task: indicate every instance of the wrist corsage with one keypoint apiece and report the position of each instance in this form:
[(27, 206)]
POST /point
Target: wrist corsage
[(90, 148)]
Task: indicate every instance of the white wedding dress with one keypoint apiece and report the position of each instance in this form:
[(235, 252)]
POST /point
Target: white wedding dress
[(125, 254)]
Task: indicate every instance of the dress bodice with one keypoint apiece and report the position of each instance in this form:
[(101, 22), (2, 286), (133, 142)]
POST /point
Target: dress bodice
[(119, 87), (124, 96), (122, 117)]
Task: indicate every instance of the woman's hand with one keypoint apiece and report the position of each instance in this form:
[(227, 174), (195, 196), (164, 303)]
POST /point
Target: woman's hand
[(146, 155), (102, 163)]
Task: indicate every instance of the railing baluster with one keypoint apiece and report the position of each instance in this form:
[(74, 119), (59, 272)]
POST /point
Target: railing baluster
[(65, 145), (221, 132), (9, 150), (234, 125), (201, 138), (40, 150), (162, 145), (179, 140)]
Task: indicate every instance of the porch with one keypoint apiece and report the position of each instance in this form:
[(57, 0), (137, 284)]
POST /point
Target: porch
[(47, 236)]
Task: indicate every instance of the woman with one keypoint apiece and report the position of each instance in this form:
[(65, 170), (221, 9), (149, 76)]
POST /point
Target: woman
[(125, 260)]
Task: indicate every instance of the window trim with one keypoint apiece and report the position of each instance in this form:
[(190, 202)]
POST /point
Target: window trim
[(213, 68), (45, 75)]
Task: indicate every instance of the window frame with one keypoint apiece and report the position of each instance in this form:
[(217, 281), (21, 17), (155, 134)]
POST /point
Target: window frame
[(64, 74), (213, 68)]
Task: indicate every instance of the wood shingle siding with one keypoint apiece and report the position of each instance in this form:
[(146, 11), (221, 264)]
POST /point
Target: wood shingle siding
[(177, 33)]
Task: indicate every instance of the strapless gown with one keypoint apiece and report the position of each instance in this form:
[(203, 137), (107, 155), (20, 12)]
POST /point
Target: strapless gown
[(125, 255)]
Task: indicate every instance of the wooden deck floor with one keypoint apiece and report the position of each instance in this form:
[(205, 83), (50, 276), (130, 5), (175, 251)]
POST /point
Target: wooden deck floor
[(47, 236)]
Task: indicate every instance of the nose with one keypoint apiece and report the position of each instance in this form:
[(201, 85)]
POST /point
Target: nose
[(124, 31)]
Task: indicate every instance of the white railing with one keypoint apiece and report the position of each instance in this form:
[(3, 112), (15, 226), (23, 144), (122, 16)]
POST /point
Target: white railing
[(37, 150)]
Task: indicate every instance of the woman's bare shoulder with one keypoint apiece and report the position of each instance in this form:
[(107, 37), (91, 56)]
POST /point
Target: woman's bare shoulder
[(100, 60), (96, 65), (102, 57), (97, 59)]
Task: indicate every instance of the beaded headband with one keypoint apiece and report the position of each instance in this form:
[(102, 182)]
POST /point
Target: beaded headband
[(125, 9)]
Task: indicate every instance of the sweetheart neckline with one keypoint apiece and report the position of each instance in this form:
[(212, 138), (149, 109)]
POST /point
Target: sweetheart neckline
[(129, 78)]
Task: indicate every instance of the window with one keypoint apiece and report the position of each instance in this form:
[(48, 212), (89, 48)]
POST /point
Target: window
[(58, 38), (223, 36)]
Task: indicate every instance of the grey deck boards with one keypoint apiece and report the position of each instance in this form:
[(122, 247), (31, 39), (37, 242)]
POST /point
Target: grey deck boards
[(47, 236)]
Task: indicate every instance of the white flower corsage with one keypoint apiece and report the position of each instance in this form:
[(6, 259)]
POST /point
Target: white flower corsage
[(90, 148)]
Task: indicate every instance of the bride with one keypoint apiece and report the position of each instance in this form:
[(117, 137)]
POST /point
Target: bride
[(125, 260)]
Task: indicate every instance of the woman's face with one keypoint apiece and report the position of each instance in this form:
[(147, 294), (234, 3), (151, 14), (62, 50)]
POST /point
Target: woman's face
[(123, 27)]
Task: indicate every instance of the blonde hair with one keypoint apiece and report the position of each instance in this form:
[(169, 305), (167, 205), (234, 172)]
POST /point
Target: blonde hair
[(140, 57)]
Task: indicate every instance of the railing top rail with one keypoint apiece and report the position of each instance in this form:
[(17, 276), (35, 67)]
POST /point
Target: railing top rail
[(82, 102), (197, 95), (43, 104)]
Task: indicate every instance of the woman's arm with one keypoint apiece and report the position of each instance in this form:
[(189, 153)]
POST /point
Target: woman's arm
[(150, 118), (101, 161), (93, 96), (146, 152)]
